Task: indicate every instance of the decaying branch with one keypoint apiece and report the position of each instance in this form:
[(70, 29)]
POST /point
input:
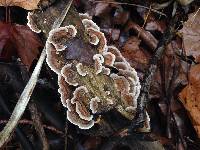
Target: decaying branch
[(28, 90)]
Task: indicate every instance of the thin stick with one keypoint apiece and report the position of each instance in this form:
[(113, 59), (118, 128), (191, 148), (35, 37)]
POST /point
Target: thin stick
[(30, 122), (22, 102), (37, 122), (136, 5), (149, 73), (145, 20), (9, 15), (28, 90), (6, 14), (194, 16)]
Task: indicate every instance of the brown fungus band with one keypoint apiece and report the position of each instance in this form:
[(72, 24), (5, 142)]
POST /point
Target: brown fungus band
[(31, 23), (97, 88)]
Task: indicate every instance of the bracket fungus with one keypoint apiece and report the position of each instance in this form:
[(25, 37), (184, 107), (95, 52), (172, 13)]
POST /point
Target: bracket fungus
[(31, 23), (98, 88)]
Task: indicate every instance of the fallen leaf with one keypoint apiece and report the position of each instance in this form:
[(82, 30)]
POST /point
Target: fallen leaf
[(120, 16), (113, 34), (190, 96), (191, 36), (152, 22), (156, 26), (18, 40), (101, 8), (146, 36), (26, 4), (136, 56), (172, 73)]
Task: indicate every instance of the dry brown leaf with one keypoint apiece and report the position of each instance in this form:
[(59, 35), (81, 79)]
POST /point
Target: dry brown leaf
[(172, 74), (136, 56), (101, 8), (26, 4), (18, 40), (121, 17), (190, 96), (156, 26), (146, 36), (191, 36)]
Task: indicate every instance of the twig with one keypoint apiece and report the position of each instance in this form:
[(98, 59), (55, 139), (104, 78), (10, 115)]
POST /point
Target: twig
[(36, 117), (22, 102), (145, 20), (194, 16), (29, 122), (28, 90), (21, 136), (153, 64), (146, 36), (136, 5), (50, 115), (158, 6), (66, 133), (168, 96), (35, 114)]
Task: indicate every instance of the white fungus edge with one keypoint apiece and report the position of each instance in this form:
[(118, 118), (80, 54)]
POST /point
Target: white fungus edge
[(99, 59), (57, 71), (81, 126), (77, 90), (80, 71), (116, 77), (36, 30), (85, 16), (106, 71), (91, 24), (82, 116), (112, 55), (63, 101), (62, 73), (65, 28), (105, 47), (96, 40), (93, 100)]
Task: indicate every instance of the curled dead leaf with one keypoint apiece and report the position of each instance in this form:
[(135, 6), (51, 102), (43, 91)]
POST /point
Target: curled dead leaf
[(18, 40), (26, 4), (135, 55), (146, 36), (190, 97), (191, 36)]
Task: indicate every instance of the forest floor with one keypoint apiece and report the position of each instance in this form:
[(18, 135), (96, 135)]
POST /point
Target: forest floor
[(162, 43)]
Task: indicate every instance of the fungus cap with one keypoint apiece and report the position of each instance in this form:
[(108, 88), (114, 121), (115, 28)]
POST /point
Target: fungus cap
[(94, 104), (80, 69), (85, 16), (64, 90), (122, 90), (71, 77), (99, 59), (90, 24), (59, 36), (75, 119), (31, 23), (109, 58), (53, 60)]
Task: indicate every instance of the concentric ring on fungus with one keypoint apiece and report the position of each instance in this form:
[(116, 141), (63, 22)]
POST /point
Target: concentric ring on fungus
[(84, 102)]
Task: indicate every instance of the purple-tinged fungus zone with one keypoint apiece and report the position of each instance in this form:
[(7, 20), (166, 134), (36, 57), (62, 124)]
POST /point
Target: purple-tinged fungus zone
[(97, 89)]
